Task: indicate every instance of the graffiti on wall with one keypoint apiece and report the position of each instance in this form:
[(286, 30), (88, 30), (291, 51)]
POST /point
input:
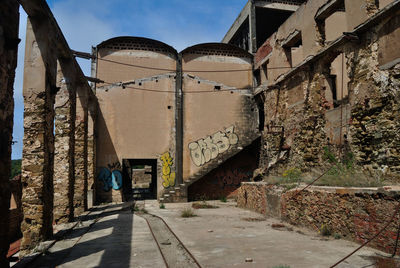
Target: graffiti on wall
[(167, 174), (204, 150), (111, 177), (232, 177)]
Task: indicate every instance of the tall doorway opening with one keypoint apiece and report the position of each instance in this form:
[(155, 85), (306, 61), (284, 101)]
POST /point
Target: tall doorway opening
[(139, 179)]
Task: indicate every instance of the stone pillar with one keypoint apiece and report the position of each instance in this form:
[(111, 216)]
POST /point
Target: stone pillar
[(9, 20), (64, 172), (91, 152), (38, 146), (81, 133)]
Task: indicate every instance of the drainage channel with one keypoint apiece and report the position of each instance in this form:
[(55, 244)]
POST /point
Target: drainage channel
[(174, 253)]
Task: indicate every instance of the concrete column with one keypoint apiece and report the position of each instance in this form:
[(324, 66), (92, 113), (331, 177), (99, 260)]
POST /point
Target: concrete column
[(38, 146), (81, 134), (253, 26), (64, 171), (9, 20), (91, 153)]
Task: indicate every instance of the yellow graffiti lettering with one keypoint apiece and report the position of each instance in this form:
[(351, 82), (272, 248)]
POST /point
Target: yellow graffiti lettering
[(167, 175)]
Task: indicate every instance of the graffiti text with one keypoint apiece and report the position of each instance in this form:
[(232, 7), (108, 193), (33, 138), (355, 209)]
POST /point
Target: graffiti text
[(204, 150), (167, 175)]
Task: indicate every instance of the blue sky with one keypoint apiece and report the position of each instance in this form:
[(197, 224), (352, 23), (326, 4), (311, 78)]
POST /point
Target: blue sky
[(179, 23)]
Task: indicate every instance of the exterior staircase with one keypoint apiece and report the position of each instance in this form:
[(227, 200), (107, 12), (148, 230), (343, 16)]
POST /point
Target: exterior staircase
[(179, 193)]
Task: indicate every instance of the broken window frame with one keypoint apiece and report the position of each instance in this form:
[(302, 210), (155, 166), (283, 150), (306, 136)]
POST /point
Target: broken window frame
[(294, 40)]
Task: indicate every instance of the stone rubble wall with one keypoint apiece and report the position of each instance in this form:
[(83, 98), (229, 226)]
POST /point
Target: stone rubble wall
[(64, 156), (38, 149), (365, 125), (81, 176), (356, 214), (9, 22)]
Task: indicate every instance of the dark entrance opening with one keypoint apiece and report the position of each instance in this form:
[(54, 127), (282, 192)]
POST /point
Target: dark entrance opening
[(139, 179)]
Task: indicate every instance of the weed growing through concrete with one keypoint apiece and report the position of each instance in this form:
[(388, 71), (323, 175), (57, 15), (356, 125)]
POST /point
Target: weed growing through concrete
[(337, 236), (187, 213), (344, 174), (162, 206), (325, 230), (203, 204), (223, 199), (341, 173), (281, 266), (292, 175), (143, 210)]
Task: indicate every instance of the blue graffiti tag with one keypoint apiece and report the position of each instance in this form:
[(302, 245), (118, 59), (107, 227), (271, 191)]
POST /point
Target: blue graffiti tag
[(110, 179), (116, 179)]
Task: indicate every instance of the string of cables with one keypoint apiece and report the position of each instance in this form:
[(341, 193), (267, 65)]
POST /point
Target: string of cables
[(124, 85), (194, 71)]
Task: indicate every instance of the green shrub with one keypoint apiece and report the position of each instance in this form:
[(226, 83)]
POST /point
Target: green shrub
[(203, 204), (15, 168), (187, 213), (143, 210), (223, 199), (162, 206)]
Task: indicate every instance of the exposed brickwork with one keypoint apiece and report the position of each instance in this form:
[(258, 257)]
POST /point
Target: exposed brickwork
[(262, 52), (64, 162), (9, 21), (38, 149), (355, 214)]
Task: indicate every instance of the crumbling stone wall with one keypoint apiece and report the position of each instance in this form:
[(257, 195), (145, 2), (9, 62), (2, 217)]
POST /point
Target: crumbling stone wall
[(91, 155), (64, 156), (15, 209), (354, 214), (375, 99), (9, 21), (81, 159), (366, 124)]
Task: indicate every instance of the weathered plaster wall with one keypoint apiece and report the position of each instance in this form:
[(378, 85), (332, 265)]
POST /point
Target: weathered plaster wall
[(315, 34), (220, 115), (135, 121), (354, 213), (9, 21), (366, 123)]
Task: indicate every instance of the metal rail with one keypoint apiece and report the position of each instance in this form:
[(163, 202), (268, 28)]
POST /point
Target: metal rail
[(158, 245), (177, 238)]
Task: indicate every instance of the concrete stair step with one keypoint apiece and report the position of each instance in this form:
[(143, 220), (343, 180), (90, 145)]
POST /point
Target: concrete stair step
[(166, 195), (171, 192)]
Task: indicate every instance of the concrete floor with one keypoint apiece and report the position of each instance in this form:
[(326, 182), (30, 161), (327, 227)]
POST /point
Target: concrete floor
[(220, 237), (226, 236)]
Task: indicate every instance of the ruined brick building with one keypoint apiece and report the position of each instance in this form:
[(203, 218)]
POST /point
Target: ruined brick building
[(289, 79)]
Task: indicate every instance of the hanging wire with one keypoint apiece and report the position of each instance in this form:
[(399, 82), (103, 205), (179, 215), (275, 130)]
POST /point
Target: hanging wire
[(195, 71), (172, 91)]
